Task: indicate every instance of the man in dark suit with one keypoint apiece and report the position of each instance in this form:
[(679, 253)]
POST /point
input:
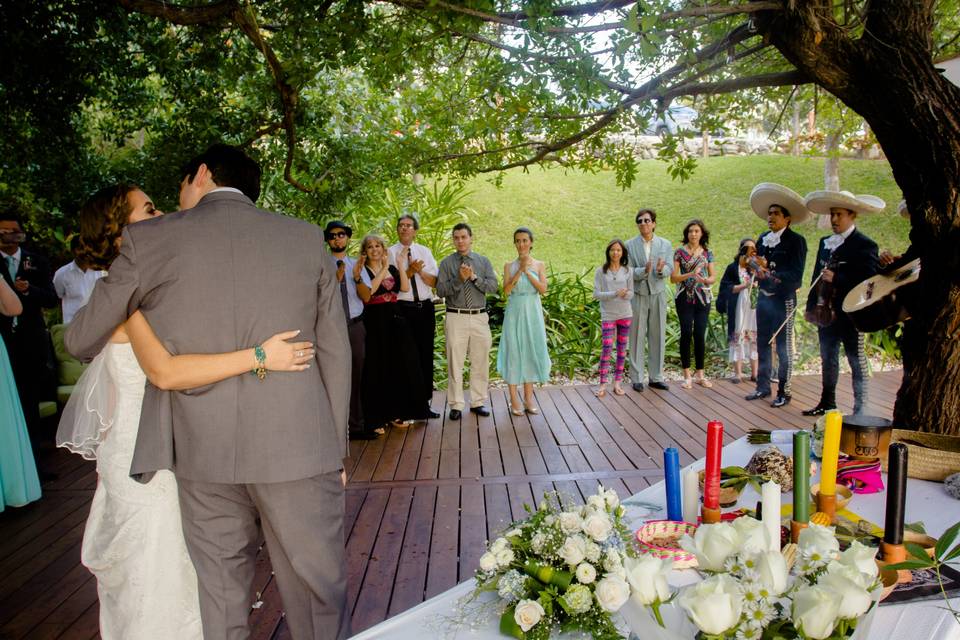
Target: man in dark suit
[(26, 336), (784, 252), (844, 260), (249, 453)]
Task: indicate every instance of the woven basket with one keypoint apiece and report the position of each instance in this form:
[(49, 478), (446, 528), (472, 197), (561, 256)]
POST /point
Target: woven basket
[(650, 541), (930, 456)]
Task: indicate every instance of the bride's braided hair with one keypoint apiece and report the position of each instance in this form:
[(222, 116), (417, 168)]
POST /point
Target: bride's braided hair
[(102, 219)]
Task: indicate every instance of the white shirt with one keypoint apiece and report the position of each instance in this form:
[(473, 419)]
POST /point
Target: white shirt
[(772, 239), (647, 247), (419, 252), (837, 239), (235, 190), (74, 286)]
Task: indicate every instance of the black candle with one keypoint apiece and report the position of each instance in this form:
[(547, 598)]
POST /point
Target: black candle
[(896, 493)]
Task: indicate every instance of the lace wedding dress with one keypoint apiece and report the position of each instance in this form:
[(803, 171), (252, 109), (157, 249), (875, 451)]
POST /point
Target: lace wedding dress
[(133, 541)]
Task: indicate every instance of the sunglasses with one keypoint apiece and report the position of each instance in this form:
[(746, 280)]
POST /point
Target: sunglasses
[(644, 221), (338, 234)]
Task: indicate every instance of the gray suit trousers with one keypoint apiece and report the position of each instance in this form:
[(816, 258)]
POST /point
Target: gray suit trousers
[(303, 526), (649, 326)]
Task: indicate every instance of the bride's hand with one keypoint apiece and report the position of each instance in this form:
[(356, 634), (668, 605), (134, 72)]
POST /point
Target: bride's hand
[(282, 355)]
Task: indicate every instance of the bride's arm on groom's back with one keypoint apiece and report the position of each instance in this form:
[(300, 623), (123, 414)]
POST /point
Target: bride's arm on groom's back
[(188, 371)]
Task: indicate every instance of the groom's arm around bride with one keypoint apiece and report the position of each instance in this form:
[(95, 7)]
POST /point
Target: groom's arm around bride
[(218, 276)]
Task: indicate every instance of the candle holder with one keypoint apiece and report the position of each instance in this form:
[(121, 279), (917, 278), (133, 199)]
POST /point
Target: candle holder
[(828, 505), (795, 529), (892, 553), (710, 516)]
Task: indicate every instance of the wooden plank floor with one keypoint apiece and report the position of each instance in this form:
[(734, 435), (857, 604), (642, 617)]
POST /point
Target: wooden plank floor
[(421, 500)]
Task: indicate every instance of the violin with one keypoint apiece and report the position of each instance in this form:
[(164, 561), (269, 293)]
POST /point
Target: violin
[(757, 267), (823, 314)]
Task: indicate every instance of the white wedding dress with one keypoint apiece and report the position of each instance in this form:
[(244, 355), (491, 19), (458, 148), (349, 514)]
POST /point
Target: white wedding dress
[(133, 541)]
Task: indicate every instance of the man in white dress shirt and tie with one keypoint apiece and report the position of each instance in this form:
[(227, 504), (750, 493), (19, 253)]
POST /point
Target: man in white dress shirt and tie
[(651, 259)]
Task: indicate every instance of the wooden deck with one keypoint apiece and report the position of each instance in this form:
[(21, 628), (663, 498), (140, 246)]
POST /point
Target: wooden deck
[(421, 500)]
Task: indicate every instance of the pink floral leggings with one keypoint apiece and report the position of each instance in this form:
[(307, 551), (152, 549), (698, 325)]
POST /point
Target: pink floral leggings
[(621, 328)]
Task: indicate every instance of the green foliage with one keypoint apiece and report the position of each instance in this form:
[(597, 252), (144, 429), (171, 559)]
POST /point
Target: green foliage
[(946, 550)]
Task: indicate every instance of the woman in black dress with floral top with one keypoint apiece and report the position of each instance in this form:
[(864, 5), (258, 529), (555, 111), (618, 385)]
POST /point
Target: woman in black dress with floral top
[(391, 373), (693, 271)]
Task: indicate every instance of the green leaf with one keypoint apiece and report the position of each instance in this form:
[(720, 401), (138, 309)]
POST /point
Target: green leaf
[(946, 541), (509, 626), (952, 554), (912, 564), (917, 551), (633, 22), (916, 527)]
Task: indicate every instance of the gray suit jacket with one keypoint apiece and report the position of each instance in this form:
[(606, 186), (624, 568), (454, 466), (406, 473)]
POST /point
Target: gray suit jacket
[(649, 284), (216, 278)]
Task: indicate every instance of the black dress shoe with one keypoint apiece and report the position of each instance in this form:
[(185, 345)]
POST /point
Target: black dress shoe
[(756, 395), (659, 385), (455, 414), (818, 410), (432, 415), (480, 411), (638, 386), (781, 401)]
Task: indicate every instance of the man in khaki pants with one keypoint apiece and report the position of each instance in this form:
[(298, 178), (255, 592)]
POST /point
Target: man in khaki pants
[(464, 280)]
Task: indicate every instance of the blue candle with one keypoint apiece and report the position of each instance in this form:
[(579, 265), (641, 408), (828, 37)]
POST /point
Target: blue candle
[(671, 470)]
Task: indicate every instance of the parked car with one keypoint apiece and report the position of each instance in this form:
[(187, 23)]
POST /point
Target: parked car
[(673, 119)]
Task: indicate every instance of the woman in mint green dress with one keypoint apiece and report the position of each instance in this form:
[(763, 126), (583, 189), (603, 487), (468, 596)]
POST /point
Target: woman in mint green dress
[(19, 483), (523, 357)]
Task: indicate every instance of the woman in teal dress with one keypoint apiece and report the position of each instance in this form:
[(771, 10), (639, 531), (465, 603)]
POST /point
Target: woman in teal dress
[(523, 357), (19, 483)]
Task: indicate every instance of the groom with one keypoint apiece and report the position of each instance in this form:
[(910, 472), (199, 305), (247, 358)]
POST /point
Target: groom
[(208, 279)]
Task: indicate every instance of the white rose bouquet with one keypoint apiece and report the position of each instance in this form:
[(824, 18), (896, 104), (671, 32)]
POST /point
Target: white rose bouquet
[(563, 568), (752, 594)]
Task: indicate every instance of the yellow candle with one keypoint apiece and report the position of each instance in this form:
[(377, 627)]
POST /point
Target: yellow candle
[(831, 451)]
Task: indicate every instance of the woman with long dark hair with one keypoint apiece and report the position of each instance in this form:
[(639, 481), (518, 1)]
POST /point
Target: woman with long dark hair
[(693, 271), (613, 287)]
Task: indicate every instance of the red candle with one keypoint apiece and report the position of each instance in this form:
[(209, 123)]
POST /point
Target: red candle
[(711, 480)]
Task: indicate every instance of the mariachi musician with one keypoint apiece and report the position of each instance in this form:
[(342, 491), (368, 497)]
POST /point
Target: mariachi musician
[(844, 259), (781, 254)]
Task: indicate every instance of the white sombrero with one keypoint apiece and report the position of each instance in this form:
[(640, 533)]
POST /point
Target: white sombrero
[(903, 210), (821, 202), (770, 193)]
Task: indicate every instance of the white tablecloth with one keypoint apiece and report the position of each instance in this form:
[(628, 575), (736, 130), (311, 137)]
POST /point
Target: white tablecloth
[(926, 502)]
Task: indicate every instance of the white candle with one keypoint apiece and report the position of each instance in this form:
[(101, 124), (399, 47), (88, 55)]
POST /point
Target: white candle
[(771, 513), (691, 495)]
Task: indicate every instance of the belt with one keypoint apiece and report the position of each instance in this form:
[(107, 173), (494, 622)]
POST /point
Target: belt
[(469, 312), (415, 303)]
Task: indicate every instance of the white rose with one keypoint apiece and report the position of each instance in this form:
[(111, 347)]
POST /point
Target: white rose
[(850, 586), (597, 502), (586, 573), (593, 551), (611, 592), (488, 562), (712, 544), (574, 550), (611, 498), (862, 557), (714, 605), (597, 526), (647, 577), (815, 611), (499, 545), (772, 571), (817, 540), (504, 557), (753, 535), (570, 522), (527, 614)]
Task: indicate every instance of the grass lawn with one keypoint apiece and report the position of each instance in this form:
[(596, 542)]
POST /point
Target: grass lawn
[(573, 215)]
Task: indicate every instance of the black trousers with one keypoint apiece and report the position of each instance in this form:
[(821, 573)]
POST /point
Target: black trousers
[(842, 332), (28, 354), (358, 335), (771, 313), (693, 327), (422, 320)]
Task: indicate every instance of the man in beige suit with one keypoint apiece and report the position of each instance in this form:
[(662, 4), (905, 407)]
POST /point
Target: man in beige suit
[(220, 275)]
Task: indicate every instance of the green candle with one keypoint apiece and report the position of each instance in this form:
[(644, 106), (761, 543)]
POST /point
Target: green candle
[(801, 476)]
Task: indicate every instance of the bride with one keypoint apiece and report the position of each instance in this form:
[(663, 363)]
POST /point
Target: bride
[(133, 541)]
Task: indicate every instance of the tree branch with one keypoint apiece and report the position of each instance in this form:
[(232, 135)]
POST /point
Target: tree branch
[(784, 78), (183, 15)]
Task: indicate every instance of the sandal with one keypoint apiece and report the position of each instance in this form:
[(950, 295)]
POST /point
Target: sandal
[(600, 393), (618, 391), (703, 382), (687, 384)]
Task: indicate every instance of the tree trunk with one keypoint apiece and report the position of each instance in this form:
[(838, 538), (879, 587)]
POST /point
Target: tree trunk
[(831, 172), (888, 77), (796, 127)]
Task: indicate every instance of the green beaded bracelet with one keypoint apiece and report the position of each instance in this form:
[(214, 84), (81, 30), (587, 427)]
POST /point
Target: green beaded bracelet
[(260, 370)]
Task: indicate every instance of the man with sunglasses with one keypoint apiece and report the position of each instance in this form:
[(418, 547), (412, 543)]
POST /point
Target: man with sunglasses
[(651, 259), (338, 234), (26, 336)]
